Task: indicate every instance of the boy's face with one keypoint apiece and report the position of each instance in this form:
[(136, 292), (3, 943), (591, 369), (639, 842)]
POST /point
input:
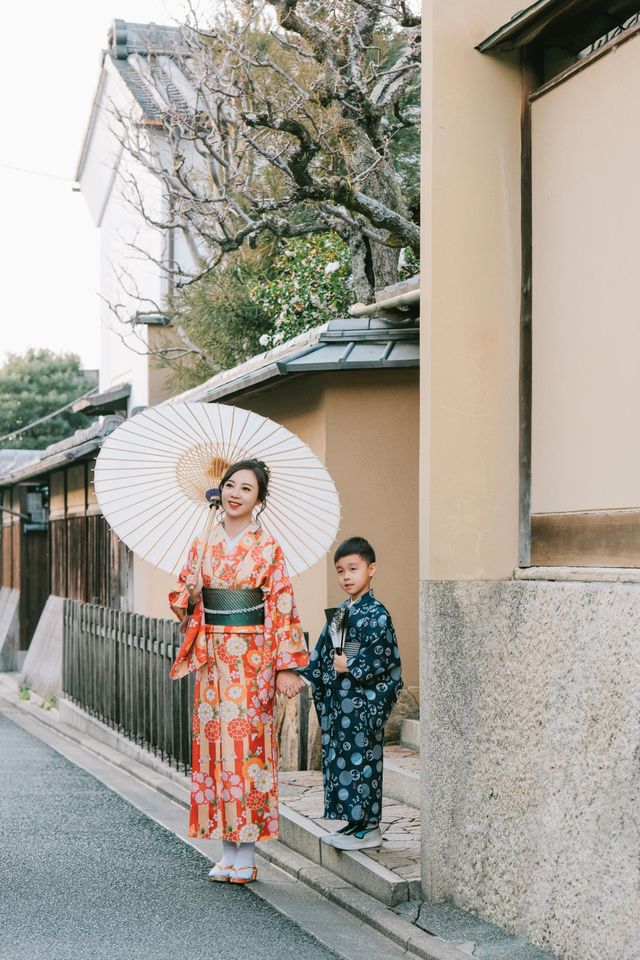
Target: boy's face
[(354, 575)]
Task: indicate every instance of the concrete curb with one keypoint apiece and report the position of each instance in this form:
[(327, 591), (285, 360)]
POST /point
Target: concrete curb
[(112, 747), (401, 785)]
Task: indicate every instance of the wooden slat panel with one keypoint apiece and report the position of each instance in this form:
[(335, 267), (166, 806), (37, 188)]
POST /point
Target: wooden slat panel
[(76, 557), (590, 539), (7, 555), (58, 557)]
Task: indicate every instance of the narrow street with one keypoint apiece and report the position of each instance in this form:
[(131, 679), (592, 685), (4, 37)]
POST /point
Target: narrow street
[(86, 875)]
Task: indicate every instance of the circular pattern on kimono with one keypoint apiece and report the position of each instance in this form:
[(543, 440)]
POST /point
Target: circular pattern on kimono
[(375, 807), (356, 811), (345, 778), (364, 790), (348, 705), (356, 758), (377, 752), (367, 771), (343, 794), (361, 739), (379, 766), (370, 694), (345, 722)]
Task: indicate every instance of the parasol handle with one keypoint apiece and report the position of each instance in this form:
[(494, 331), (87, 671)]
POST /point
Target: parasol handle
[(213, 496)]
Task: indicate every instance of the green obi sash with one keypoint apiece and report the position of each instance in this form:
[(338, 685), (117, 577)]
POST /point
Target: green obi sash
[(233, 608)]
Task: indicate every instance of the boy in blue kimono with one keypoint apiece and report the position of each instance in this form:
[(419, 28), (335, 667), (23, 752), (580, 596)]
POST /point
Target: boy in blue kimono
[(355, 678)]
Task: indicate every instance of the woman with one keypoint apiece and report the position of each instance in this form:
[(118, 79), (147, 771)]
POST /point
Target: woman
[(243, 638)]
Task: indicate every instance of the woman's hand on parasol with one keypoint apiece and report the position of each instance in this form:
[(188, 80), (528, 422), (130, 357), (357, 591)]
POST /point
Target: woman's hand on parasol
[(193, 585)]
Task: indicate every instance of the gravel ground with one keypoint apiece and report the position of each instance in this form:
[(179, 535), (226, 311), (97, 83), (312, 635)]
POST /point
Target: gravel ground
[(86, 876)]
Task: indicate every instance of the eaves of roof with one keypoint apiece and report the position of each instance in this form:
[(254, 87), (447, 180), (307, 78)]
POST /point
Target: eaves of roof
[(571, 24), (93, 115), (63, 453), (106, 402), (352, 343)]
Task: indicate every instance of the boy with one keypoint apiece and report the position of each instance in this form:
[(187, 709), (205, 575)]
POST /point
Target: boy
[(355, 678)]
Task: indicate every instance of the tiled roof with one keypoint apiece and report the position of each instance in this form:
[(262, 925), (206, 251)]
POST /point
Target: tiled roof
[(141, 53), (78, 446), (352, 343), (13, 459)]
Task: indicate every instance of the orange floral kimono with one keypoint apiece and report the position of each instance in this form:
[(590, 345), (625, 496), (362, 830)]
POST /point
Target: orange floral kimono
[(234, 792)]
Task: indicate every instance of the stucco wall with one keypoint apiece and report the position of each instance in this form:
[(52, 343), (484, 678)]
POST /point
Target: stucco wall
[(530, 695), (586, 336), (299, 406), (471, 304), (372, 454)]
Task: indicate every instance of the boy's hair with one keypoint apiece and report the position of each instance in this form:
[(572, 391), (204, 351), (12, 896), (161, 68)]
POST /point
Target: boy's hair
[(357, 545)]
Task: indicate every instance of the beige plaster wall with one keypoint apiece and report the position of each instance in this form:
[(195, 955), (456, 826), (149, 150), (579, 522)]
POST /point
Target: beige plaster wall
[(372, 454), (586, 336), (299, 406), (471, 305), (151, 589)]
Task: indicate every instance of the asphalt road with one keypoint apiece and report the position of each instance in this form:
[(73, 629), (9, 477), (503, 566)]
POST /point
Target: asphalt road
[(86, 876)]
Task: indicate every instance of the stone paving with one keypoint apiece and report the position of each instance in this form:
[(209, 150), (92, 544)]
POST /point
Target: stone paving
[(400, 824), (403, 758)]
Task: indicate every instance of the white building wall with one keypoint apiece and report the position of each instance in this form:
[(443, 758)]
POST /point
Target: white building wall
[(130, 282), (131, 279)]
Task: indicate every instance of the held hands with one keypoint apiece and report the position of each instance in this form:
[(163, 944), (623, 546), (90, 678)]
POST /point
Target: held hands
[(289, 684)]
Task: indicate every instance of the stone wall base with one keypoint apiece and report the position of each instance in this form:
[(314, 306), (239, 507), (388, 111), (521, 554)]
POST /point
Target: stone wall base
[(10, 658), (530, 729), (42, 668)]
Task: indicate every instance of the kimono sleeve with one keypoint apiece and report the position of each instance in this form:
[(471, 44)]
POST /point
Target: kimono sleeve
[(316, 672), (378, 655), (281, 618), (179, 598), (192, 653)]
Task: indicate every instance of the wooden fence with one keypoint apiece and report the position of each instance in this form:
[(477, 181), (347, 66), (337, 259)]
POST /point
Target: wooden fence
[(116, 667)]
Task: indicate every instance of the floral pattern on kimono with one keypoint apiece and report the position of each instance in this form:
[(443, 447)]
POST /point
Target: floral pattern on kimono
[(353, 708), (234, 794)]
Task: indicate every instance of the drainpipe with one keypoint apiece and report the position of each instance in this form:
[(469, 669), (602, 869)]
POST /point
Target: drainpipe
[(401, 302)]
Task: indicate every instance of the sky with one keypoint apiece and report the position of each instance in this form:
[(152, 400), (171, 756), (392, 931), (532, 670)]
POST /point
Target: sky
[(49, 71)]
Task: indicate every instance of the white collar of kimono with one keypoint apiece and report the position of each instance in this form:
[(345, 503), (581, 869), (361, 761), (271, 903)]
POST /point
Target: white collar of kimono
[(352, 603), (233, 541)]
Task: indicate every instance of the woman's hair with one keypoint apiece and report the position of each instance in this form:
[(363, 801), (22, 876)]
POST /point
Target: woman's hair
[(260, 471), (357, 545)]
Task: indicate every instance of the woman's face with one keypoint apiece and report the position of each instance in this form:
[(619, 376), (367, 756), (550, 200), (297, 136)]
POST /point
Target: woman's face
[(240, 494)]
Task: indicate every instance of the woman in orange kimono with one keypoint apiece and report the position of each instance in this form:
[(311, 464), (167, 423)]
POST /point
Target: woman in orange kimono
[(243, 639)]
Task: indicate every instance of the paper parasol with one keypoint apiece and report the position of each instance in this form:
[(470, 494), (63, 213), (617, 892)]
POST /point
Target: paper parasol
[(153, 471)]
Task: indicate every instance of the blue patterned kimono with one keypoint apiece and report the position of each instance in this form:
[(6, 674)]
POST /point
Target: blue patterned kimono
[(353, 708)]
